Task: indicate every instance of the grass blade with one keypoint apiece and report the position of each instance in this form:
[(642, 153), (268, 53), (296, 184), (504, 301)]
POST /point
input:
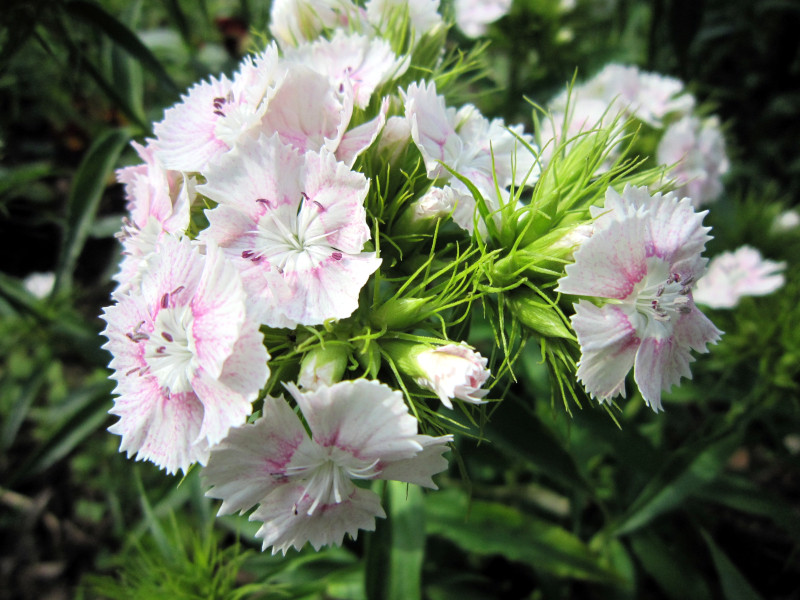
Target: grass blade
[(84, 197)]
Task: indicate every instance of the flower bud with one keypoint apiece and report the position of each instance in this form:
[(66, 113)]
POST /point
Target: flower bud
[(400, 313), (450, 371), (536, 314), (323, 366)]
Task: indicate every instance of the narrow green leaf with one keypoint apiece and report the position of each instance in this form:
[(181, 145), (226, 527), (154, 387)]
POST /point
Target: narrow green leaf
[(743, 495), (160, 536), (734, 585), (23, 175), (407, 517), (487, 528), (675, 575), (94, 15), (84, 198), (126, 71), (21, 407), (691, 470), (518, 432), (95, 402), (179, 19)]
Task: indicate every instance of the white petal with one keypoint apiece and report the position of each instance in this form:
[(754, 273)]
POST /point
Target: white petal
[(608, 343)]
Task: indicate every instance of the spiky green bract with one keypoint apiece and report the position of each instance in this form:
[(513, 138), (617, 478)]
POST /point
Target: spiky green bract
[(533, 235)]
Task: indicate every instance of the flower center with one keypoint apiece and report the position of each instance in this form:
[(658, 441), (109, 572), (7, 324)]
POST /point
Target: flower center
[(328, 480), (170, 351), (292, 241), (661, 295)]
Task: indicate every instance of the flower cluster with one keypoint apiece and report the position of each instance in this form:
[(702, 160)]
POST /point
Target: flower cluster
[(308, 237)]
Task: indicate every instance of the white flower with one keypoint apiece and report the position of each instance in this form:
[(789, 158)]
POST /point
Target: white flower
[(159, 203), (697, 149), (293, 22), (303, 483), (214, 115), (643, 259), (187, 360), (454, 371), (474, 16), (295, 227), (352, 60), (466, 142), (647, 96), (39, 284), (732, 275)]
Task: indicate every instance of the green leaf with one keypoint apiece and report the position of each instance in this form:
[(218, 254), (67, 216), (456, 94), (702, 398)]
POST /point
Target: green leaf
[(407, 517), (487, 528), (734, 585), (23, 175), (743, 495), (687, 473), (396, 548), (20, 407), (517, 431), (84, 198), (676, 576), (95, 16), (93, 401), (126, 71)]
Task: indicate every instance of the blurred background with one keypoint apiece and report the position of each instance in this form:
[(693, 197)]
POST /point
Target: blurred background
[(699, 502)]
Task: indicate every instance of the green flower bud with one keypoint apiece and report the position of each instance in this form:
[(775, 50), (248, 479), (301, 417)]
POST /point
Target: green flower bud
[(530, 309), (400, 313)]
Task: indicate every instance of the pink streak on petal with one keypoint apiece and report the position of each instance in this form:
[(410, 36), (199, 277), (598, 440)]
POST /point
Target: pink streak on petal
[(608, 348)]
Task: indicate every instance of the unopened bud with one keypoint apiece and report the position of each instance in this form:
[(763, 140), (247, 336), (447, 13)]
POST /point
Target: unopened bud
[(538, 315)]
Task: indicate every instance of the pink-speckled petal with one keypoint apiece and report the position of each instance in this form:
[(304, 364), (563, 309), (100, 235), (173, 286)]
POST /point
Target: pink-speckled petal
[(218, 308), (328, 288), (159, 427), (608, 347), (260, 174), (357, 140), (660, 364), (432, 128), (286, 523), (610, 263), (307, 113), (246, 371), (224, 408), (176, 266), (676, 231), (335, 210), (695, 330), (366, 418), (252, 461), (186, 138)]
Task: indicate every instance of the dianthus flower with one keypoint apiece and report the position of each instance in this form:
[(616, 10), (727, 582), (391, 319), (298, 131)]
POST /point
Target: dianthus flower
[(187, 360), (642, 260), (303, 483), (454, 371), (214, 115), (474, 16), (697, 150), (466, 142), (158, 202), (295, 227), (732, 275)]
